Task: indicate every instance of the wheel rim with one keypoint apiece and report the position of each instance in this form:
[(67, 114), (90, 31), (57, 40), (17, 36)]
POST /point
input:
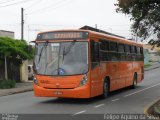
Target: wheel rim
[(105, 88), (135, 81)]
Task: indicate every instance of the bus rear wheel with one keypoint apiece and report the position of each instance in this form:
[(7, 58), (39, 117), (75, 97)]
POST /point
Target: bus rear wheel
[(134, 81), (105, 90)]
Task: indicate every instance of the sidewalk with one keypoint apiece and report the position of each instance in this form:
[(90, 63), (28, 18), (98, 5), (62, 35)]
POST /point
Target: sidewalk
[(153, 110), (28, 86), (20, 87)]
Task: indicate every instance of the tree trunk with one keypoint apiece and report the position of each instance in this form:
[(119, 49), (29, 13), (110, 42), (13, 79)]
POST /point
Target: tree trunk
[(6, 72)]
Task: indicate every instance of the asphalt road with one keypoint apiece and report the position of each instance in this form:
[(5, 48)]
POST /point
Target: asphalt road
[(132, 101)]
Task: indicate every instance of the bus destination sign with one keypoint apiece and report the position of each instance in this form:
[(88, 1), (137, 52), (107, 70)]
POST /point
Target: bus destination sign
[(62, 35)]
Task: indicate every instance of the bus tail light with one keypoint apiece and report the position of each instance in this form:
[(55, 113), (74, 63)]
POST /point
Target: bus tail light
[(84, 80), (35, 81)]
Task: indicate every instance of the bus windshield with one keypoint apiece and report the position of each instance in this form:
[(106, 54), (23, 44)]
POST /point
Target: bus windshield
[(63, 58)]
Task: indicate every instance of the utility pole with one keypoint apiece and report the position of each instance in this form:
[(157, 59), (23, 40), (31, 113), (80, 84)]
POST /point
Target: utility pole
[(28, 33), (22, 23), (96, 26)]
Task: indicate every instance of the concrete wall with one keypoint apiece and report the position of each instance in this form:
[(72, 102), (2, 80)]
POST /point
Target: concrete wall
[(24, 71), (154, 57), (30, 62), (151, 53), (4, 33)]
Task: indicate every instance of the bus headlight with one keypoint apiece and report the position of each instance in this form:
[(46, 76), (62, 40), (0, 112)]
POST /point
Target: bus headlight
[(35, 81), (84, 80)]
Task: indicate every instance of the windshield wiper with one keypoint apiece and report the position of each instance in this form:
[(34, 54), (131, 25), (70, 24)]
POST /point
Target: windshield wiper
[(44, 46), (69, 48), (66, 51)]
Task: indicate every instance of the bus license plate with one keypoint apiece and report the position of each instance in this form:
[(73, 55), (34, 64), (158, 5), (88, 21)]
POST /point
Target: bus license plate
[(58, 93)]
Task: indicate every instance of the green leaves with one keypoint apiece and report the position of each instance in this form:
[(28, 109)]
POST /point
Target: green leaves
[(15, 50), (144, 14)]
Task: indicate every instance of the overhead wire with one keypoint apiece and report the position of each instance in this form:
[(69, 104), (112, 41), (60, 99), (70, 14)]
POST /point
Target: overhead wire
[(2, 0), (6, 1), (33, 4), (53, 25), (47, 7), (16, 3), (58, 5)]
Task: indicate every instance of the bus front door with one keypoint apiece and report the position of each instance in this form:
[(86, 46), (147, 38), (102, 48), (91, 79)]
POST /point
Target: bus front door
[(96, 82)]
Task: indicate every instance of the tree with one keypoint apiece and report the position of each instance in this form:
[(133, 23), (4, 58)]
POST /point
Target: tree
[(145, 16), (14, 50)]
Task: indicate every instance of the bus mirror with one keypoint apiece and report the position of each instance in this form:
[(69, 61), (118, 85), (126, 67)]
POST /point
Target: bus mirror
[(30, 48), (32, 42)]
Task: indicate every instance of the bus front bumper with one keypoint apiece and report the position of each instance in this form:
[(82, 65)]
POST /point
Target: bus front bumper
[(79, 92)]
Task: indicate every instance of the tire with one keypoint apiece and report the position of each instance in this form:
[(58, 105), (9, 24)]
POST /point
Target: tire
[(134, 85), (105, 89)]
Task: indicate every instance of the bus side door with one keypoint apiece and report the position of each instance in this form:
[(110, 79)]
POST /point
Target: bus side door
[(96, 81)]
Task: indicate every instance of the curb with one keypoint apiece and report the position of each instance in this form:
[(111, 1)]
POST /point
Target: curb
[(16, 92), (22, 91), (152, 68), (146, 109)]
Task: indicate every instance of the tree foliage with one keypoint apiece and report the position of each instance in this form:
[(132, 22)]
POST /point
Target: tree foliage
[(15, 50), (145, 15)]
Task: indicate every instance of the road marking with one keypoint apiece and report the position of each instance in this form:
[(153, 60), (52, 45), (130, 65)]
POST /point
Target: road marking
[(98, 105), (79, 112), (142, 90), (115, 100)]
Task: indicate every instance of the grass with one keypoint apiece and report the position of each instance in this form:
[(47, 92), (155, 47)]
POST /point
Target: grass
[(147, 65), (6, 84), (157, 109)]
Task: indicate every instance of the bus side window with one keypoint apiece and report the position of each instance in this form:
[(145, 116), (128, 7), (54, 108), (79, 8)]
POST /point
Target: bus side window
[(104, 45), (138, 54), (104, 48), (141, 51), (121, 51), (133, 52), (113, 51), (94, 53), (128, 52)]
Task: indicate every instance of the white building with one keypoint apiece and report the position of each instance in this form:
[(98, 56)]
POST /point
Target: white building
[(4, 33)]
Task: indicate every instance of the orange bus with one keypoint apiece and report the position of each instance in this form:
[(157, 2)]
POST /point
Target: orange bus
[(85, 63)]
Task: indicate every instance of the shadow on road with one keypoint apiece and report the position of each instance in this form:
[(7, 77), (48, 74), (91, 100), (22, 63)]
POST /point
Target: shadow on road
[(73, 101), (89, 100)]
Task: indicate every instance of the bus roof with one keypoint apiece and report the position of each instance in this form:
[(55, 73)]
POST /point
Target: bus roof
[(113, 38), (95, 34)]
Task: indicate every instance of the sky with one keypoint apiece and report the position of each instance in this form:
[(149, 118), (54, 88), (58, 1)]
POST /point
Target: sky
[(44, 15)]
